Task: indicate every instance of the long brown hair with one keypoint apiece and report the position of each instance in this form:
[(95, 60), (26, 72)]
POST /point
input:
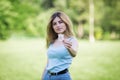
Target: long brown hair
[(51, 34)]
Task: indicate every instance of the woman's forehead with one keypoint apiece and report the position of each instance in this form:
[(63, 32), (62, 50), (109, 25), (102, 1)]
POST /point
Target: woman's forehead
[(56, 19)]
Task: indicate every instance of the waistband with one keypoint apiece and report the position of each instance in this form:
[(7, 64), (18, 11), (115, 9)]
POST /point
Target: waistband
[(58, 73)]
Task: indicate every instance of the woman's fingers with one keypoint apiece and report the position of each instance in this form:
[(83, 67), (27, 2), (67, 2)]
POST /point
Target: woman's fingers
[(67, 44)]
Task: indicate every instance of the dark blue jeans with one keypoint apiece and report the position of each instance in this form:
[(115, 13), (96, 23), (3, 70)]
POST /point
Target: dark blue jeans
[(65, 76)]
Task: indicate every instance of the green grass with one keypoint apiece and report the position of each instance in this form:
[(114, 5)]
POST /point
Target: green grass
[(25, 60)]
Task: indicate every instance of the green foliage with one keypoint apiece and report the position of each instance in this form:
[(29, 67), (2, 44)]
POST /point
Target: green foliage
[(98, 33), (46, 4), (29, 18), (13, 16), (106, 36), (7, 17), (37, 25), (110, 20)]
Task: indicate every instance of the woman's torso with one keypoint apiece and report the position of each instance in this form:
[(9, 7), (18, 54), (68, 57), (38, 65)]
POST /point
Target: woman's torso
[(59, 57)]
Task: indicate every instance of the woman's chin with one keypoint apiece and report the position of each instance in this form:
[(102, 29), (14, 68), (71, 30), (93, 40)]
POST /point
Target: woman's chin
[(60, 32)]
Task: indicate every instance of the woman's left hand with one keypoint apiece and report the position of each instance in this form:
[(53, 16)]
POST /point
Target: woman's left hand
[(67, 44), (71, 45)]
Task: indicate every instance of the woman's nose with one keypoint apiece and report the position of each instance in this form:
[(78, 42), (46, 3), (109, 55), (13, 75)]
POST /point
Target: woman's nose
[(58, 25)]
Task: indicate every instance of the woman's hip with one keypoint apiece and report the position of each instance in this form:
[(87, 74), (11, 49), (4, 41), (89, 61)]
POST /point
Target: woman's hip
[(64, 76)]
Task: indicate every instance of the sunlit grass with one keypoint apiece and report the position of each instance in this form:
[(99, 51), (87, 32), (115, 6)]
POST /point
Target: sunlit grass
[(26, 59), (97, 61), (22, 59)]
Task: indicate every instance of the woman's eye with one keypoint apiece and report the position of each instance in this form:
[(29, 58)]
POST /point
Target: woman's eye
[(60, 21), (54, 23)]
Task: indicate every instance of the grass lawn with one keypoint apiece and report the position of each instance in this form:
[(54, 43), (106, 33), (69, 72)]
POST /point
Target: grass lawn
[(25, 60)]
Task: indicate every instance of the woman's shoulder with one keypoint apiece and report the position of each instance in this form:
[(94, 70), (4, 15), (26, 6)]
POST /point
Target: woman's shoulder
[(74, 42), (72, 38)]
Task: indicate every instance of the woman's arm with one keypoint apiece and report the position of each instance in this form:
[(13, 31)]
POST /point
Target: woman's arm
[(72, 46)]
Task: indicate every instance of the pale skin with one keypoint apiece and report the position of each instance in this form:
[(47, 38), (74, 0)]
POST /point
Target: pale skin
[(59, 27)]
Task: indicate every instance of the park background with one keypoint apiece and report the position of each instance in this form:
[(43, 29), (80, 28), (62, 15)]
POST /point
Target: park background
[(96, 24)]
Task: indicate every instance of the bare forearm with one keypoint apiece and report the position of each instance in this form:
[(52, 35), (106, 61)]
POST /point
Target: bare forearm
[(72, 52)]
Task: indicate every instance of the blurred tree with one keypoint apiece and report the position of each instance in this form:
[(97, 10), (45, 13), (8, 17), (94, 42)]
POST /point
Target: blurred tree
[(30, 17), (13, 16), (110, 22), (98, 15), (79, 11), (68, 3), (47, 4), (7, 18), (91, 20)]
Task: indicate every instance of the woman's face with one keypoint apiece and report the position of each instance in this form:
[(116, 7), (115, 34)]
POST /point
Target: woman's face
[(58, 25)]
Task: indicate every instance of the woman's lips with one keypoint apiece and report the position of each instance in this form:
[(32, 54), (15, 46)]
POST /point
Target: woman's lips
[(59, 29)]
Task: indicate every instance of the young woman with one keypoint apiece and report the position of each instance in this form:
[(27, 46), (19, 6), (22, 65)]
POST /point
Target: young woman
[(62, 47)]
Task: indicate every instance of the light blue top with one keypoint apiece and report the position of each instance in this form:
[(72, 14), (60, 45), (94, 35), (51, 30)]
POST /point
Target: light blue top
[(59, 58)]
